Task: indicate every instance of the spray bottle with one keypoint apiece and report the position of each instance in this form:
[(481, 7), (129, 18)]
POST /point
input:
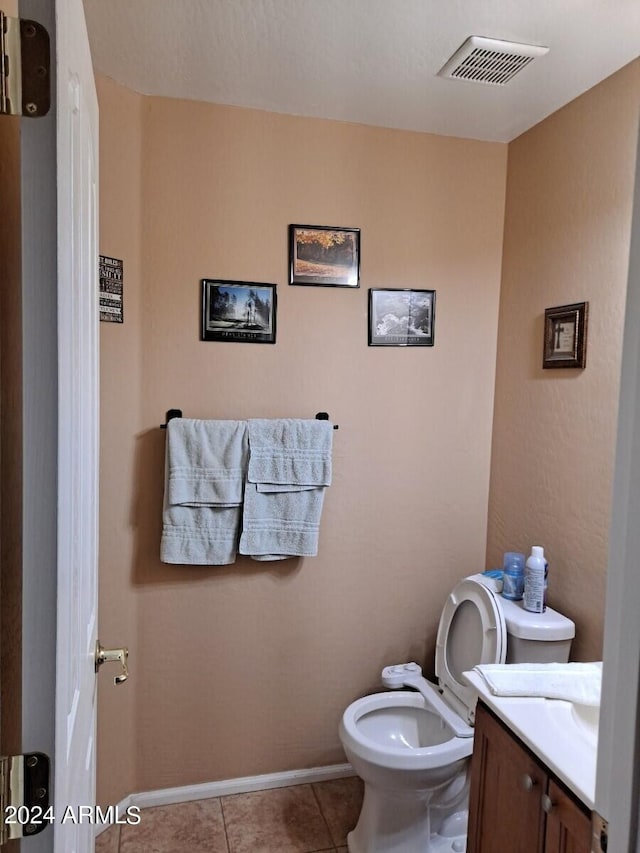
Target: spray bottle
[(534, 581)]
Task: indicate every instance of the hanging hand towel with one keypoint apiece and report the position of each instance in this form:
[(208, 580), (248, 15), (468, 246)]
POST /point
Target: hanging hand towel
[(207, 462), (277, 525), (289, 452), (574, 682), (289, 468), (204, 479)]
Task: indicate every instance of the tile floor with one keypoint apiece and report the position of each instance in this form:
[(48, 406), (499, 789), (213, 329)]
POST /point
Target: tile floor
[(300, 819)]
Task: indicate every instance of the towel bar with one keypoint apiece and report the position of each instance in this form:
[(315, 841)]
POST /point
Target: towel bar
[(177, 413)]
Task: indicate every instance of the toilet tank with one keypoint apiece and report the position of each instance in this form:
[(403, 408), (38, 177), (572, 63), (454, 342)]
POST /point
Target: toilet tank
[(536, 637)]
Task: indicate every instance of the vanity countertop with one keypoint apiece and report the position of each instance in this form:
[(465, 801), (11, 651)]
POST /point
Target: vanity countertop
[(563, 735)]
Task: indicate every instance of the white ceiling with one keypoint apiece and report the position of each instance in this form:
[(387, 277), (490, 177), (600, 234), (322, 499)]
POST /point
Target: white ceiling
[(368, 61)]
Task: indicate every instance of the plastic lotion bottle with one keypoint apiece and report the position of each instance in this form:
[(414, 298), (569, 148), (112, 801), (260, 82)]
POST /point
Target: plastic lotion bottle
[(534, 581)]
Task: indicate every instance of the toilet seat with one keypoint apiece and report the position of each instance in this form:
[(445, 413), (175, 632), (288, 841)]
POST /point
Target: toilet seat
[(472, 631), (440, 749)]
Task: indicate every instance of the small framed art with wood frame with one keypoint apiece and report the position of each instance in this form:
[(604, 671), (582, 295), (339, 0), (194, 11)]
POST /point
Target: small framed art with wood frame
[(565, 336)]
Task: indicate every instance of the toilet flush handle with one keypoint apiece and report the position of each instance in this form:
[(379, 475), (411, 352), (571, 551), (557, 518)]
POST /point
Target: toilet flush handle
[(120, 656)]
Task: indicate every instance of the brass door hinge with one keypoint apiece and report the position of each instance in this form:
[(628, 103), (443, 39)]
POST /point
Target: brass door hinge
[(24, 795), (25, 68), (599, 833)]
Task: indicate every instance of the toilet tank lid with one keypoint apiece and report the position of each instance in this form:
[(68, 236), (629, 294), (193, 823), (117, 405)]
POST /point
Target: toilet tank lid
[(547, 626)]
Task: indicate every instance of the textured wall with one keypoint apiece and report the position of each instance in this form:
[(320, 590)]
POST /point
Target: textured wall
[(566, 239), (247, 668), (120, 400)]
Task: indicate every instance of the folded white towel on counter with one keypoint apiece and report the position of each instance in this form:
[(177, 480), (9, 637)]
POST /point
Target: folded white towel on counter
[(289, 454), (205, 468), (574, 682)]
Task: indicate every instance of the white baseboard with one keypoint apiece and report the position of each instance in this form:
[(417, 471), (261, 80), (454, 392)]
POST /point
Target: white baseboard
[(241, 785)]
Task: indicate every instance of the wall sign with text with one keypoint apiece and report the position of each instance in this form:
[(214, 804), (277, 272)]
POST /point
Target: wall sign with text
[(111, 281)]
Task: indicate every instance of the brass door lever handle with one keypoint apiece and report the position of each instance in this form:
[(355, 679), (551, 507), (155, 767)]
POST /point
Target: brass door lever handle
[(120, 656)]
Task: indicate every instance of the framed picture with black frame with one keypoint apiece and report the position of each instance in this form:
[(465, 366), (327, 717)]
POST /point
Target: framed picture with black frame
[(238, 311), (324, 256), (401, 317)]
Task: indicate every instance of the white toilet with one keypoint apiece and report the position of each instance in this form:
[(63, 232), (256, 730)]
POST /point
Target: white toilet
[(412, 749)]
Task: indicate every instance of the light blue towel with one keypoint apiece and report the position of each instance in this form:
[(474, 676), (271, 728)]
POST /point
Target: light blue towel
[(289, 468), (290, 452), (207, 462), (277, 525), (205, 467), (200, 536)]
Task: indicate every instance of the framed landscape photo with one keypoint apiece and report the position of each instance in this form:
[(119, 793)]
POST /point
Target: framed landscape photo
[(401, 317), (565, 336), (323, 255), (240, 311)]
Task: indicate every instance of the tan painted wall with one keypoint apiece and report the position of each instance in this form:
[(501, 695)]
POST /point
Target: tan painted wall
[(120, 399), (567, 231), (246, 669)]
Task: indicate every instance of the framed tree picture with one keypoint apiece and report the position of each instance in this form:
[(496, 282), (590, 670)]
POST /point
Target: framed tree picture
[(323, 255), (238, 311), (401, 317)]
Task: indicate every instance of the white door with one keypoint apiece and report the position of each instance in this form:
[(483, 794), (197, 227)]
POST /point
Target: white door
[(77, 164)]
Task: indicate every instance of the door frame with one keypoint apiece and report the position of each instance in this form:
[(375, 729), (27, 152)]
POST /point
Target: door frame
[(31, 387), (618, 771), (47, 383), (40, 421), (41, 568)]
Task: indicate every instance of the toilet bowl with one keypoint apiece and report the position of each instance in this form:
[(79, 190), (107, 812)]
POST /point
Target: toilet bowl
[(411, 762), (412, 748)]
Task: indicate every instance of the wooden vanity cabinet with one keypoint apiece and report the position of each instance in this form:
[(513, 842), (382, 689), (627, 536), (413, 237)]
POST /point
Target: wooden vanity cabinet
[(516, 804), (568, 823)]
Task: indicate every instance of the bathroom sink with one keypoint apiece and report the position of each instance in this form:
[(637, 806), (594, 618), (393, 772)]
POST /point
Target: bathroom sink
[(588, 718), (579, 723)]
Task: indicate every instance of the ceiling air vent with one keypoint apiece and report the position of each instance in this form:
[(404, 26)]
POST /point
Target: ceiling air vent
[(484, 60)]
